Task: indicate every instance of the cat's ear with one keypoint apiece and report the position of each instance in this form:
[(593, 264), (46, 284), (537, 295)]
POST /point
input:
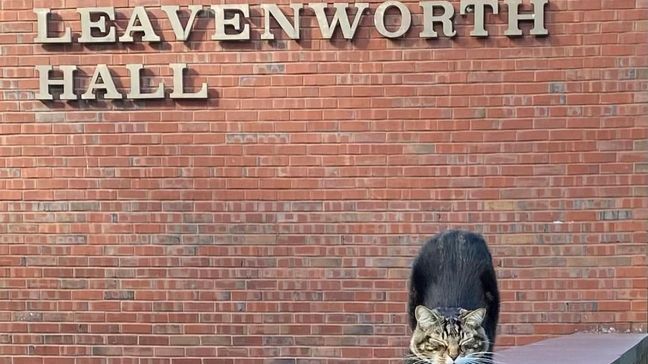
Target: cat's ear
[(473, 318), (427, 318)]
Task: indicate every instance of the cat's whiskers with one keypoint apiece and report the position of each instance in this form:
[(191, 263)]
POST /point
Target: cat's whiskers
[(482, 360), (473, 361), (421, 359)]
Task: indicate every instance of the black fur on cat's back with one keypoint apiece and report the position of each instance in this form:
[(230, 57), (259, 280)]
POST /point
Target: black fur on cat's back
[(455, 269)]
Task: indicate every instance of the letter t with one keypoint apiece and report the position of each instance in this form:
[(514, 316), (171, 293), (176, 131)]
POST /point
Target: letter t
[(479, 7)]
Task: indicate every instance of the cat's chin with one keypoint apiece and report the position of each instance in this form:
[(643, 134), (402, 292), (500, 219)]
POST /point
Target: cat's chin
[(469, 360), (418, 358), (447, 361)]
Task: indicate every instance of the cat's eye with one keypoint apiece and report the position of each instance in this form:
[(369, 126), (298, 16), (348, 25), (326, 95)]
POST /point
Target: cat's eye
[(433, 345), (471, 345)]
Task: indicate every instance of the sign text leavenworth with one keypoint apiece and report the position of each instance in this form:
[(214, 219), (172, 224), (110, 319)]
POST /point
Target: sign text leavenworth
[(231, 25)]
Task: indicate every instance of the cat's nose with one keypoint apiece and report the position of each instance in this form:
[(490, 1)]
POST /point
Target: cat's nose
[(453, 356)]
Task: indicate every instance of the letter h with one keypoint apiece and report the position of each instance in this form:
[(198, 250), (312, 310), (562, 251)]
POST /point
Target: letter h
[(45, 82), (537, 16)]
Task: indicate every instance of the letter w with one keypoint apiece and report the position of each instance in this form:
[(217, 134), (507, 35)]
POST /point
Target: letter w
[(340, 17)]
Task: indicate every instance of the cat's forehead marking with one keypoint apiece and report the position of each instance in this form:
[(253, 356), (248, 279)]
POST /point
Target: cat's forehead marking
[(452, 327), (449, 312)]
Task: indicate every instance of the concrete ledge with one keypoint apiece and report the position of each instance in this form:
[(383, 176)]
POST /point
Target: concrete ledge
[(581, 348)]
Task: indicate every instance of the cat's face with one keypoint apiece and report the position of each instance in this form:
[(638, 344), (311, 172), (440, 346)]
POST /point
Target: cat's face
[(439, 339)]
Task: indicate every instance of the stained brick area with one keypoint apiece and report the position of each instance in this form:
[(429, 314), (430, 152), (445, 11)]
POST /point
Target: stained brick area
[(276, 221)]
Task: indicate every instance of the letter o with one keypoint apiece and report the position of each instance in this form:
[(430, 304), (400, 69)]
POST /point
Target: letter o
[(379, 19)]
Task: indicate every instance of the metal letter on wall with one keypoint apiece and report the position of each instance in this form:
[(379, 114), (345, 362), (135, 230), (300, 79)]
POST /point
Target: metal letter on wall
[(135, 72), (292, 31), (87, 24), (172, 13), (341, 17), (478, 6), (234, 22), (42, 36), (139, 16), (379, 19), (445, 18), (106, 83), (178, 84), (44, 82), (537, 16)]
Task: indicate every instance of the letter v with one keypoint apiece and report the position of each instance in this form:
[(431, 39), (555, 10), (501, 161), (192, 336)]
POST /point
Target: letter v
[(172, 13)]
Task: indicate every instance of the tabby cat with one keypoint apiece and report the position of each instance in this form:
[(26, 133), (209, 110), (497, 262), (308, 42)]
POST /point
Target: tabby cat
[(453, 301)]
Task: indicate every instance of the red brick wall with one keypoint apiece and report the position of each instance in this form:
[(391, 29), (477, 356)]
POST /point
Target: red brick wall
[(278, 218)]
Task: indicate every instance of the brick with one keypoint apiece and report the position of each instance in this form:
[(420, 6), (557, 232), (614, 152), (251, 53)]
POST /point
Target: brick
[(119, 295), (106, 351), (28, 316)]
